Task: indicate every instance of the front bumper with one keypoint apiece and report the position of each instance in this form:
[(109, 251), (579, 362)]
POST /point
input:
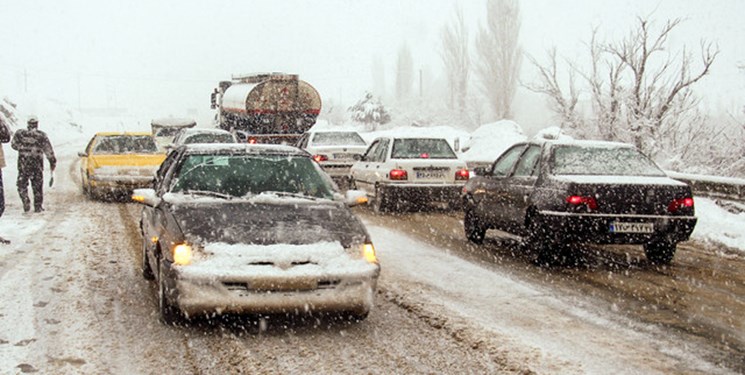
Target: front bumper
[(270, 294), (120, 182), (595, 228)]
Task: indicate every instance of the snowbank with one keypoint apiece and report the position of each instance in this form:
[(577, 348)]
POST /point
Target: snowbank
[(487, 142)]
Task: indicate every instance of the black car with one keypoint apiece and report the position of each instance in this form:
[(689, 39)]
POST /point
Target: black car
[(553, 193), (238, 228)]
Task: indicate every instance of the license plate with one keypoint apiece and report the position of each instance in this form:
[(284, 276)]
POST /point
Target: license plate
[(344, 156), (430, 175), (619, 227)]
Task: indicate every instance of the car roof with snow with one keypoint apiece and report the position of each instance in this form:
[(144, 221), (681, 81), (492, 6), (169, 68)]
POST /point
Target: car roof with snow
[(584, 143), (205, 131), (239, 148), (124, 133)]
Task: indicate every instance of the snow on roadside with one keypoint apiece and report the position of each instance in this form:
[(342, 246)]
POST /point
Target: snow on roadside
[(717, 225)]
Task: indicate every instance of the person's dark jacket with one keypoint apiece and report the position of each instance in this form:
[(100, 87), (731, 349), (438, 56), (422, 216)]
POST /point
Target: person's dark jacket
[(32, 143)]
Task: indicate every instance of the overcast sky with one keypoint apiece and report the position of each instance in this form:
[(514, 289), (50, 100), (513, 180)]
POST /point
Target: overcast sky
[(168, 55)]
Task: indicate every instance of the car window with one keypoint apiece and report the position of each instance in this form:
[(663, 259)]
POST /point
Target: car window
[(382, 152), (370, 153), (528, 161), (601, 160), (209, 138), (422, 148), (504, 163), (242, 175), (126, 144), (337, 139)]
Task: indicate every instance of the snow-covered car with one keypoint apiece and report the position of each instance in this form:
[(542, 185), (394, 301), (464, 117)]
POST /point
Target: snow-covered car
[(239, 228), (398, 171), (118, 162), (202, 135), (335, 150), (555, 192)]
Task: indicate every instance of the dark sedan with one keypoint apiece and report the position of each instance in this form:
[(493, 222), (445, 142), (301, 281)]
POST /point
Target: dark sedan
[(553, 193), (253, 229)]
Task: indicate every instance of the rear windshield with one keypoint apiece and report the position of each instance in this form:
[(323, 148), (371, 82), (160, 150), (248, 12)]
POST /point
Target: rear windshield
[(422, 148), (126, 144), (338, 139), (599, 160), (210, 138), (242, 175)]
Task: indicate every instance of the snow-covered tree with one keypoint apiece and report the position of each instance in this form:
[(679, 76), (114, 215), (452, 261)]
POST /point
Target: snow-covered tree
[(369, 111), (455, 57), (640, 89), (404, 73), (500, 55)]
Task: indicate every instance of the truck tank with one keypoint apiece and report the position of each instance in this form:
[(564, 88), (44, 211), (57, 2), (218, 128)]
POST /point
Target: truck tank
[(272, 107)]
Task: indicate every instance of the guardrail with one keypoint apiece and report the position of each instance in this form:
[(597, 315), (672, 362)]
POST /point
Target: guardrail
[(713, 186)]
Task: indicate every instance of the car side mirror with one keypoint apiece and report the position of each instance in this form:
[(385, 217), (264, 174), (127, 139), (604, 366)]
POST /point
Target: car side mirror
[(83, 154), (147, 197), (355, 198)]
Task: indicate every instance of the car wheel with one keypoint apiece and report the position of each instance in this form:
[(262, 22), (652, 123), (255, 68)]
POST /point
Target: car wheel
[(380, 202), (660, 252), (537, 241), (169, 313), (86, 187), (147, 272), (475, 231)]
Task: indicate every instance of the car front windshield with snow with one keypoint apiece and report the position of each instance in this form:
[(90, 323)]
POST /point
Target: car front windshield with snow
[(126, 144), (210, 138), (248, 175), (338, 139), (422, 148), (601, 160)]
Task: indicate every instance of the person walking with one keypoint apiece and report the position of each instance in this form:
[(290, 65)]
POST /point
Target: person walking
[(4, 138), (32, 145)]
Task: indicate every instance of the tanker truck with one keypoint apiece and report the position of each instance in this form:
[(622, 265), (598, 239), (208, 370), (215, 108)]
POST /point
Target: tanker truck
[(269, 107)]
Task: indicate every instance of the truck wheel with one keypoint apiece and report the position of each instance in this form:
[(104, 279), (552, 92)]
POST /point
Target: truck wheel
[(660, 252), (169, 313), (475, 231)]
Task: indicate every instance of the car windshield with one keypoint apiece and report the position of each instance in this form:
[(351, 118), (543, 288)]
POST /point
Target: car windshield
[(600, 160), (338, 139), (210, 138), (245, 175), (126, 144), (422, 148)]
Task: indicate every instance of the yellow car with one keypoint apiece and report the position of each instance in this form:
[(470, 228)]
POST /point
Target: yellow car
[(118, 162)]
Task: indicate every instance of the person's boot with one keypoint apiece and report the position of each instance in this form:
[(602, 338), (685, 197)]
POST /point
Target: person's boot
[(26, 206)]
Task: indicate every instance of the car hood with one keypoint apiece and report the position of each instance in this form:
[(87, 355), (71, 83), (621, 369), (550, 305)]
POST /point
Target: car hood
[(245, 222)]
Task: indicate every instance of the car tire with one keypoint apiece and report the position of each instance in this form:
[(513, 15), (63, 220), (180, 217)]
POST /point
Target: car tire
[(169, 314), (380, 202), (474, 229), (85, 185), (547, 252), (660, 252), (147, 271)]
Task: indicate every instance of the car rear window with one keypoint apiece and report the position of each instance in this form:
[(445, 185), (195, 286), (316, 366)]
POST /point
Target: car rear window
[(338, 139), (242, 175), (599, 160), (422, 148), (126, 144), (210, 138)]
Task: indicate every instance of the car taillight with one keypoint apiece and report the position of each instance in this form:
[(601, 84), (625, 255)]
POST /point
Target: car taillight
[(462, 174), (253, 141), (320, 158), (398, 174), (680, 203), (424, 155), (578, 200)]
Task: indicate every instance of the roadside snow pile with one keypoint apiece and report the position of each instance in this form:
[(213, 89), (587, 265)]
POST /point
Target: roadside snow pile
[(489, 141), (717, 225)]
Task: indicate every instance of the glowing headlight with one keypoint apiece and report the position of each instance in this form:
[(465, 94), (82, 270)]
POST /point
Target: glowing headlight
[(182, 254), (368, 252)]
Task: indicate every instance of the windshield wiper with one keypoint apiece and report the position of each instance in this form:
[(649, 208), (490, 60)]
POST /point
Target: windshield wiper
[(288, 194), (208, 193)]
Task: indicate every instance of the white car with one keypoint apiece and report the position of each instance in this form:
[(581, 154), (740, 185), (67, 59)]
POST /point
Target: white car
[(399, 170), (335, 150)]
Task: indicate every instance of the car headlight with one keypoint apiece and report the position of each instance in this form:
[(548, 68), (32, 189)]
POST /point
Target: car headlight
[(364, 251), (182, 254)]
